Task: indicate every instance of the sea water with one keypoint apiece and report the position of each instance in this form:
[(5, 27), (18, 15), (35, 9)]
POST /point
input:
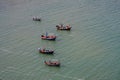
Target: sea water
[(90, 51)]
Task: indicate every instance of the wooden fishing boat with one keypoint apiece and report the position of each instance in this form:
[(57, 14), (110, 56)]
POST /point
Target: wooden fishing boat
[(48, 37), (53, 62), (36, 19), (45, 51), (61, 27)]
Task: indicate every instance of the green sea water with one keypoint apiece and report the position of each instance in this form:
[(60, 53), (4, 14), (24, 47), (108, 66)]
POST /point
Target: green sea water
[(90, 51)]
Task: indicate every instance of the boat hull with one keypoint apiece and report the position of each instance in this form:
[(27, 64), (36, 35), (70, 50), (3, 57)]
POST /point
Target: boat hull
[(46, 52), (48, 38), (52, 64), (63, 28)]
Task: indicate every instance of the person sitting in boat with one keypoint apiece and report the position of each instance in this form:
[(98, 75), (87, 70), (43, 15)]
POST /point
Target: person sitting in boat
[(67, 26), (43, 49), (64, 27), (61, 25), (42, 35), (47, 50)]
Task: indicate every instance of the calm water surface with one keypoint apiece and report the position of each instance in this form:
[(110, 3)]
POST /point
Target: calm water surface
[(90, 51)]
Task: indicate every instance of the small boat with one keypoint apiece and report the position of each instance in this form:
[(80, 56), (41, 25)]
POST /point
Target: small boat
[(61, 27), (53, 62), (45, 51), (36, 19), (48, 37)]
